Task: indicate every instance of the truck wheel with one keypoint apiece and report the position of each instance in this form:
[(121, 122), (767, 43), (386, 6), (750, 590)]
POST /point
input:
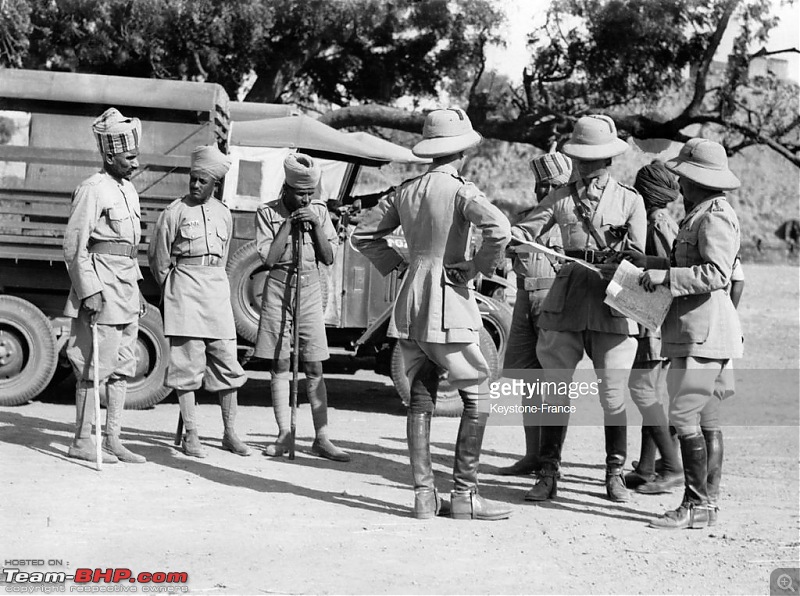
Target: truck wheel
[(146, 388), (28, 351), (448, 400), (247, 288), (496, 316)]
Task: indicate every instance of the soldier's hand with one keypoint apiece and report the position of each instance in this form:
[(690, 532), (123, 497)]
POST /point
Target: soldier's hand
[(635, 257), (305, 215), (462, 272), (607, 270), (142, 305), (653, 278), (93, 305)]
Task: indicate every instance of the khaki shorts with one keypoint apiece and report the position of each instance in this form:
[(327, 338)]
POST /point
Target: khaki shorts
[(274, 341), (197, 362), (117, 348)]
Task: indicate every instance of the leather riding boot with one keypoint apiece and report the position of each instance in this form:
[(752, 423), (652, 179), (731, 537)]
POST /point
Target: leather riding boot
[(693, 512), (116, 389), (83, 446), (318, 398), (644, 469), (230, 441), (714, 454), (465, 501), (418, 431), (616, 431), (530, 463), (191, 440), (552, 440)]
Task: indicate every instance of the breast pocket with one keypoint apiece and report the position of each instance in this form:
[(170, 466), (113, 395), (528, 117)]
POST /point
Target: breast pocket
[(118, 219), (686, 251), (189, 239), (221, 238)]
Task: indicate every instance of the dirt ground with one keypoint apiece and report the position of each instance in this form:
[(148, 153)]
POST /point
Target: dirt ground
[(257, 525)]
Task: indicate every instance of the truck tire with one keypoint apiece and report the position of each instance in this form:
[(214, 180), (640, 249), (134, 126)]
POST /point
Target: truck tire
[(247, 288), (28, 351), (448, 400), (147, 388), (496, 316)]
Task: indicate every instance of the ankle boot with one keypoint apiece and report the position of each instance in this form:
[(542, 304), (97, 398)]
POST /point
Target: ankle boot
[(116, 389), (546, 487), (280, 447), (530, 463), (670, 474), (465, 502), (714, 454), (323, 447), (693, 511), (191, 445), (418, 432), (616, 449), (83, 446), (230, 441)]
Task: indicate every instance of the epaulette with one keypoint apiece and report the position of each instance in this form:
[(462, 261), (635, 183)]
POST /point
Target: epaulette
[(716, 206), (628, 187), (174, 203), (221, 204), (93, 180), (407, 180)]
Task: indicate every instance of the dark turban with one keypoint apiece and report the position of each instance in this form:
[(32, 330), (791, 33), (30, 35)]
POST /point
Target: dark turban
[(657, 185)]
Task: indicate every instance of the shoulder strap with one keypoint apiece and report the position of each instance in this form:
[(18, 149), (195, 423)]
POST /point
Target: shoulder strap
[(580, 209)]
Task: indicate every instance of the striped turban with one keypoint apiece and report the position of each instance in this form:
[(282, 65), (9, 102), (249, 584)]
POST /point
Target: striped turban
[(555, 168), (115, 133)]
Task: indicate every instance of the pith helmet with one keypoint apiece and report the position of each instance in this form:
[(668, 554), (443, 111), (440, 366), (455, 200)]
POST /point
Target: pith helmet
[(594, 137), (704, 162), (446, 132)]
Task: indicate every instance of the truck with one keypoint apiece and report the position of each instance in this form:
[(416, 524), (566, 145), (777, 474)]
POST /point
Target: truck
[(51, 150)]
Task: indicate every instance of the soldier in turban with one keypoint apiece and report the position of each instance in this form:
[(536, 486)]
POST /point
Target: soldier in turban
[(100, 247), (299, 211), (187, 256)]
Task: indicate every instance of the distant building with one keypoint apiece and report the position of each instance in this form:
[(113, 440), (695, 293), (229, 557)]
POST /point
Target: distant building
[(762, 66)]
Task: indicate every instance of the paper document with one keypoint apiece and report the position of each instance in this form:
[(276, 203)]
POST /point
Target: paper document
[(626, 295), (528, 246)]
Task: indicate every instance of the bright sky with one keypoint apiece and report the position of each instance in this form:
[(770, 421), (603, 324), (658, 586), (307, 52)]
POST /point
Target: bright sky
[(525, 15)]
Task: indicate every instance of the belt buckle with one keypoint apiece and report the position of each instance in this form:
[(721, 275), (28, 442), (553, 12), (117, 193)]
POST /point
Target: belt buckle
[(588, 255)]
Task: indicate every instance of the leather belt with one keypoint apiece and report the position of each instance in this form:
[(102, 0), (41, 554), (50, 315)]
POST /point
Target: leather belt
[(590, 256), (289, 276), (120, 249), (201, 261), (532, 284)]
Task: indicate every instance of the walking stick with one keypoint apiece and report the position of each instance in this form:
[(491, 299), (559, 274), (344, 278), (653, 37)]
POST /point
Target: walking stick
[(179, 430), (298, 263), (96, 381)]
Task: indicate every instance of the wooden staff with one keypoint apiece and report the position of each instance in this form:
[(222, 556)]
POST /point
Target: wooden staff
[(298, 263), (96, 382)]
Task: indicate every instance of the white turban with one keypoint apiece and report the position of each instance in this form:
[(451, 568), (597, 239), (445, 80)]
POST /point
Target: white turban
[(207, 159), (301, 171), (115, 133)]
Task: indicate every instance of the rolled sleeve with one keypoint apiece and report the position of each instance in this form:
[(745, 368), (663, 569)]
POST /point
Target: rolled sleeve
[(160, 248), (265, 232)]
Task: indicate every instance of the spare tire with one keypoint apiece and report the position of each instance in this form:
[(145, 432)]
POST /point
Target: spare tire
[(247, 287), (28, 351), (448, 400)]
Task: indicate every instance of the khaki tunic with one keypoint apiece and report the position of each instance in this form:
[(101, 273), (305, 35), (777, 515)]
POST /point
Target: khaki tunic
[(197, 300), (702, 321), (435, 211), (575, 302), (103, 210)]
